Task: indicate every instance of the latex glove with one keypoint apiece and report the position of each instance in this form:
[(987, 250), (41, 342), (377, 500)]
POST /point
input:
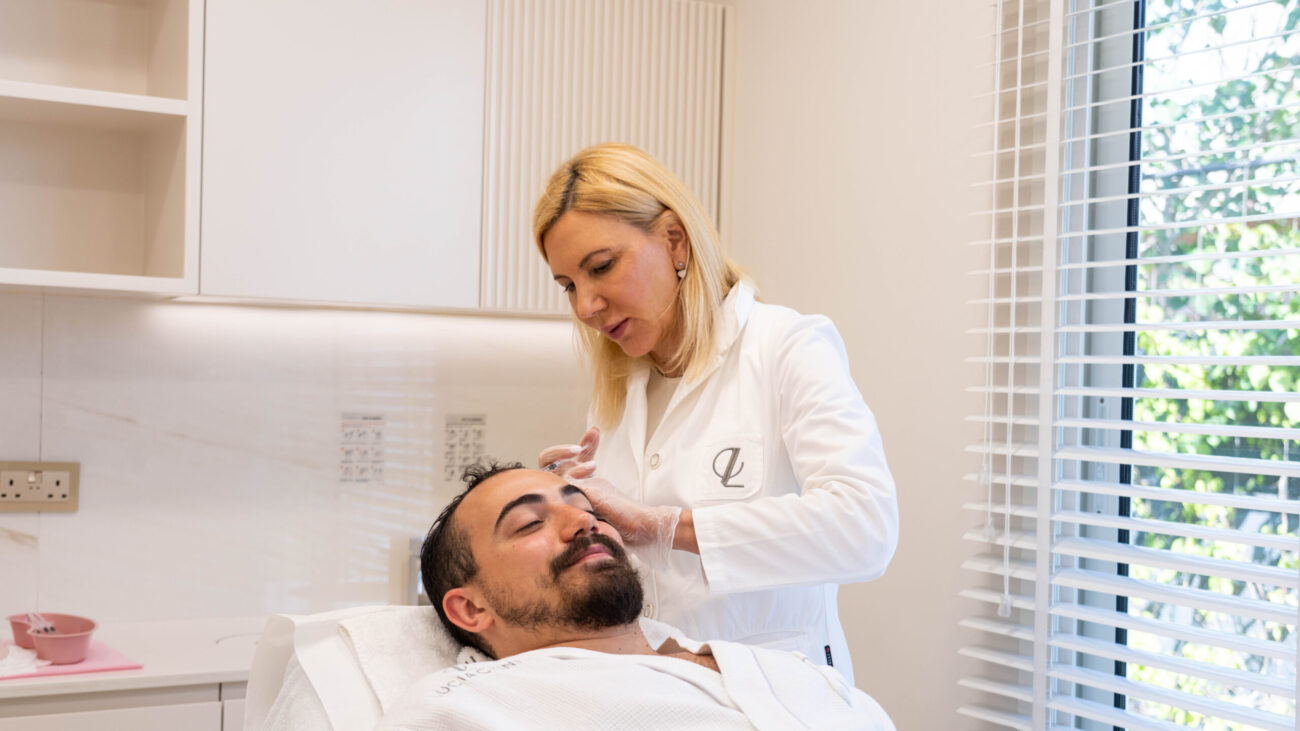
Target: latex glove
[(572, 461), (647, 530)]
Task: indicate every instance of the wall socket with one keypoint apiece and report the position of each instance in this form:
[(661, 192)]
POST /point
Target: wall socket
[(39, 487)]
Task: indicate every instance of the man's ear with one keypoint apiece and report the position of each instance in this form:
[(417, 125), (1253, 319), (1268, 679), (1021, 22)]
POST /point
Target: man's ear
[(467, 609)]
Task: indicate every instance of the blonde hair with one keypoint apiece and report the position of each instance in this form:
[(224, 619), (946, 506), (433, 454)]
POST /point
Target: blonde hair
[(620, 180)]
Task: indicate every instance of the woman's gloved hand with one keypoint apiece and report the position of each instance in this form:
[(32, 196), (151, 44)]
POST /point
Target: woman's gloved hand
[(647, 530), (572, 461)]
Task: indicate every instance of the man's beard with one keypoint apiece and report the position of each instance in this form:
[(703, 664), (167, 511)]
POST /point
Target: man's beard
[(607, 593)]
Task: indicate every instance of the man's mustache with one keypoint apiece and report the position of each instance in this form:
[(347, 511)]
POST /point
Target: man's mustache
[(582, 543)]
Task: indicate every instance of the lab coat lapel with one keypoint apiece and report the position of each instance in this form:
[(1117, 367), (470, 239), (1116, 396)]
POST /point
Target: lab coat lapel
[(634, 416), (735, 312)]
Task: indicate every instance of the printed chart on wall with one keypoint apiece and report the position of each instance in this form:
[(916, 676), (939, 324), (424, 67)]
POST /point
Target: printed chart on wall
[(361, 448), (465, 438)]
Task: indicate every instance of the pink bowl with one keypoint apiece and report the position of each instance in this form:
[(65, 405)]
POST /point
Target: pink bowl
[(18, 624), (67, 643)]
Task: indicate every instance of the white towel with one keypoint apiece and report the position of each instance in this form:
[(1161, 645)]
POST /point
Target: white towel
[(20, 661), (296, 708), (397, 646)]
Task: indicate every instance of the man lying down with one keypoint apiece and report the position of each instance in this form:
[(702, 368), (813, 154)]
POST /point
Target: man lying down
[(521, 567)]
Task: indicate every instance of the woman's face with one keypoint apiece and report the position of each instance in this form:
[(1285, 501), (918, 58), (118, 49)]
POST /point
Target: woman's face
[(619, 279)]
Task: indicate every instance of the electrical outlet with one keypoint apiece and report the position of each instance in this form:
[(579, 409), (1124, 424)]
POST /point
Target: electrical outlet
[(39, 487)]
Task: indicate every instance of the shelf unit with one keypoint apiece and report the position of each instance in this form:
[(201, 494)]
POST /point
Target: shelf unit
[(100, 134)]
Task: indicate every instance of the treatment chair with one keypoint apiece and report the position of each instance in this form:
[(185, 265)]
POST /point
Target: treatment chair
[(344, 669)]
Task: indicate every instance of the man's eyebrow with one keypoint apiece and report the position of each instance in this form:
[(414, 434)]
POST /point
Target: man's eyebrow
[(531, 497), (568, 490), (582, 264)]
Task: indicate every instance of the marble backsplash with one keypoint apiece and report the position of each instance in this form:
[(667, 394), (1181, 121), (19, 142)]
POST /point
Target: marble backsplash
[(210, 441)]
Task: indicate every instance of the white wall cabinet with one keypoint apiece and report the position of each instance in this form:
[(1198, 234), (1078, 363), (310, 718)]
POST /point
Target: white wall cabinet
[(350, 152), (100, 129), (343, 151)]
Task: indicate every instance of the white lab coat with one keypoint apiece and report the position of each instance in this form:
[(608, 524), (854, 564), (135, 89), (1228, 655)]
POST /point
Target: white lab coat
[(781, 462)]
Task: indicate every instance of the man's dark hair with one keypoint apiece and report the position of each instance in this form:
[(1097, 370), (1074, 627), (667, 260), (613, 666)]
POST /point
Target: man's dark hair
[(446, 560)]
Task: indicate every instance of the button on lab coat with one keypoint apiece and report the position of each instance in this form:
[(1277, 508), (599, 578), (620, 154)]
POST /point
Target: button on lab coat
[(781, 462)]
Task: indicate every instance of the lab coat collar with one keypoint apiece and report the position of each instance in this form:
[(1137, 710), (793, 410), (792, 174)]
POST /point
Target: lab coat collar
[(735, 313), (736, 307)]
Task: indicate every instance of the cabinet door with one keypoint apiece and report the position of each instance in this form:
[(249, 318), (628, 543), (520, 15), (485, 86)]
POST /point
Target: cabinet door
[(232, 715), (343, 151), (659, 84), (195, 716)]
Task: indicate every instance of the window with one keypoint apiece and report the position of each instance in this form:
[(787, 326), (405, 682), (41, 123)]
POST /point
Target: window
[(1140, 456)]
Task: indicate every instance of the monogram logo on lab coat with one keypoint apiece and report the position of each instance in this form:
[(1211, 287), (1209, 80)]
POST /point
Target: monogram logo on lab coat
[(731, 470)]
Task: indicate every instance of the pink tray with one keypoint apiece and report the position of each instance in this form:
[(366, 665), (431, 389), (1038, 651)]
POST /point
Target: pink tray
[(99, 658)]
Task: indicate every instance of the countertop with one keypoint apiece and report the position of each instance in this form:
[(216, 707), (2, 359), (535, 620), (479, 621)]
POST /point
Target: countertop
[(174, 653)]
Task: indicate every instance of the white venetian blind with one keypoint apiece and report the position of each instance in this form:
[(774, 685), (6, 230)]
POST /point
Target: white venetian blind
[(1002, 584), (565, 74), (1141, 491)]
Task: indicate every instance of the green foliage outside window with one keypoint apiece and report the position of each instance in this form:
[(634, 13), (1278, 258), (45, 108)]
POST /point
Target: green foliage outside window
[(1256, 182)]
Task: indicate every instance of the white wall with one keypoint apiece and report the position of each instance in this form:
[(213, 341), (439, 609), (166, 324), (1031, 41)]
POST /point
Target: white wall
[(851, 197), (209, 440)]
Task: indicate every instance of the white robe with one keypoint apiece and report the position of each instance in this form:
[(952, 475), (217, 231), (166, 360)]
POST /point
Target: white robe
[(565, 687)]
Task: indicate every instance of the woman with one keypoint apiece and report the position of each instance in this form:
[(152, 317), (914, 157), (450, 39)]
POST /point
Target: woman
[(732, 429)]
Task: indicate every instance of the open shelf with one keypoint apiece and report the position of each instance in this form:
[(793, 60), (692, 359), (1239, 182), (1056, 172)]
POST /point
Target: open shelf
[(99, 144), (61, 104), (93, 199), (42, 102), (126, 46)]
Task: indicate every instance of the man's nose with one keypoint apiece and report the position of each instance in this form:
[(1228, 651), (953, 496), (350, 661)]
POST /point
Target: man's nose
[(579, 522)]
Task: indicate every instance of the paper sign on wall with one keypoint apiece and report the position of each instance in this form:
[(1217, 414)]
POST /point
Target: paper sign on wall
[(361, 448), (465, 438)]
